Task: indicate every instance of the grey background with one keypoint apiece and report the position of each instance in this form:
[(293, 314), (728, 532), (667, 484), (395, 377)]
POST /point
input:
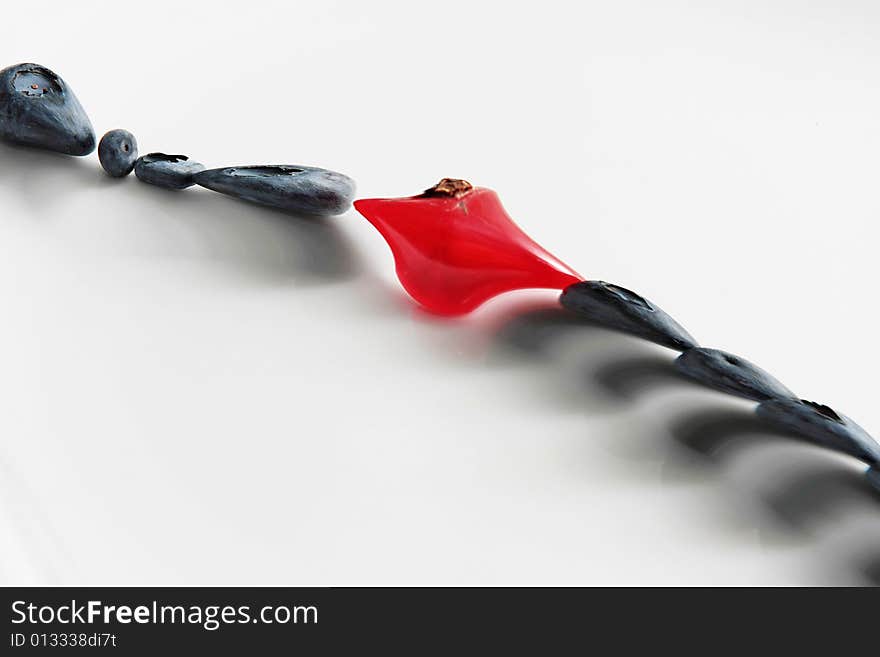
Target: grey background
[(200, 391)]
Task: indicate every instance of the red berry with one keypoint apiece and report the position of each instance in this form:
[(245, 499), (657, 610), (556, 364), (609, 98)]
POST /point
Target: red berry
[(455, 247)]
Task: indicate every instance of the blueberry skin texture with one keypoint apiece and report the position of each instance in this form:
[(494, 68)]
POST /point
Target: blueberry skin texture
[(821, 425), (731, 374), (118, 151), (617, 308), (169, 171), (873, 476), (37, 108), (290, 187)]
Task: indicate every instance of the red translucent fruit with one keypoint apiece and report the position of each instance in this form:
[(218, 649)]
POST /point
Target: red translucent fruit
[(455, 251)]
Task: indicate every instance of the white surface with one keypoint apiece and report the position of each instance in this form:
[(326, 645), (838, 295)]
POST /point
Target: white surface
[(196, 390)]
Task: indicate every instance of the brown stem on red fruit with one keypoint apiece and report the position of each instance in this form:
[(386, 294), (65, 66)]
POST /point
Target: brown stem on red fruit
[(452, 187)]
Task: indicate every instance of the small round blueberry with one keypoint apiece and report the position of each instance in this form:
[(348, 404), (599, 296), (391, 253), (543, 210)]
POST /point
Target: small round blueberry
[(118, 152)]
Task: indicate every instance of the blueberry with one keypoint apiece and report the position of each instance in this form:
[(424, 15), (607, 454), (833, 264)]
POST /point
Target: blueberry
[(284, 186), (821, 425), (616, 307), (873, 475), (118, 151), (169, 171), (731, 374), (37, 108)]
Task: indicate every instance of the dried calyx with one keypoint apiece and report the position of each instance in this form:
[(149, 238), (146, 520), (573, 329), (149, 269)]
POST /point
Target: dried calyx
[(452, 187), (822, 409)]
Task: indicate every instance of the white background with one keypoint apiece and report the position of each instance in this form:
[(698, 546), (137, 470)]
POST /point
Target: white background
[(199, 391)]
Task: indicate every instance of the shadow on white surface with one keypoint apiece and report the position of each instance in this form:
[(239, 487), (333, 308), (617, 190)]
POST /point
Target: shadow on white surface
[(807, 494), (273, 245), (44, 179), (310, 250), (573, 364)]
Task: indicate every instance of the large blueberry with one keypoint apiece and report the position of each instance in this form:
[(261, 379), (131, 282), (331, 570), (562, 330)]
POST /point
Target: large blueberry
[(285, 186), (616, 307), (731, 374), (821, 425), (118, 151), (170, 171), (37, 108)]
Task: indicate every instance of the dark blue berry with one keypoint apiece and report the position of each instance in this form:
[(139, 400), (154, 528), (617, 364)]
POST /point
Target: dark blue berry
[(286, 186), (873, 475), (822, 425), (616, 307), (118, 151), (731, 374), (37, 108), (169, 171)]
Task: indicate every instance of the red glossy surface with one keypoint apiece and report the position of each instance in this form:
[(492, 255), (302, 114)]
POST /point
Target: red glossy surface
[(453, 253)]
